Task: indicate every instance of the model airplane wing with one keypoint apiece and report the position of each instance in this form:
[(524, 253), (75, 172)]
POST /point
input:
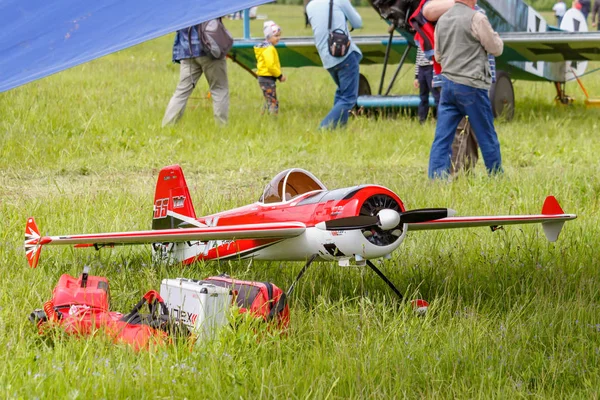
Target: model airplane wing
[(551, 46), (552, 219), (39, 38), (34, 241)]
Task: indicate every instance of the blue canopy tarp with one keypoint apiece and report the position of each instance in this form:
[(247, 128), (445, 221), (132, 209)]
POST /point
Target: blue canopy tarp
[(42, 37)]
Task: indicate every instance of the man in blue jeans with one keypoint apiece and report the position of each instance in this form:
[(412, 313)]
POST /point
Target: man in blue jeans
[(343, 70), (463, 39)]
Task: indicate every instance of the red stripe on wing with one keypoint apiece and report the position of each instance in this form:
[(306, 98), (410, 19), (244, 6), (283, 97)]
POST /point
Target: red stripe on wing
[(268, 230)]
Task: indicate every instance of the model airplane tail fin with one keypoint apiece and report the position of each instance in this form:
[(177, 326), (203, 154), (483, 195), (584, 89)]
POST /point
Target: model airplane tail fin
[(552, 229), (172, 201), (32, 242)]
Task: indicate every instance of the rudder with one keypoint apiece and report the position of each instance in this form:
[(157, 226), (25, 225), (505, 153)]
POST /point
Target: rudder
[(552, 229), (173, 205)]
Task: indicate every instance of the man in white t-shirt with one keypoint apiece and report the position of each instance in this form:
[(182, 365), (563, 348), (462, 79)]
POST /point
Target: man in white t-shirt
[(560, 8)]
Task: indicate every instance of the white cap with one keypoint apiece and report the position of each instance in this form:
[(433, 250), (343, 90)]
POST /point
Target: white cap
[(270, 28)]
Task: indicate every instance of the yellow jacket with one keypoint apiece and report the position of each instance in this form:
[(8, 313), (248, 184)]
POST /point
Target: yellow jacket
[(267, 60)]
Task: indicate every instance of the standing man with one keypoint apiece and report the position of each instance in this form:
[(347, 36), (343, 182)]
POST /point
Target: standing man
[(344, 70), (306, 21), (596, 14), (559, 8), (193, 60), (462, 50), (586, 5)]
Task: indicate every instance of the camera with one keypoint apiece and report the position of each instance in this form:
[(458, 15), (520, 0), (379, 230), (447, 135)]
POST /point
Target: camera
[(396, 11)]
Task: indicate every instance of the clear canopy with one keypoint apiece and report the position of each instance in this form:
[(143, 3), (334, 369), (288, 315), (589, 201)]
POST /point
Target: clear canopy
[(289, 184)]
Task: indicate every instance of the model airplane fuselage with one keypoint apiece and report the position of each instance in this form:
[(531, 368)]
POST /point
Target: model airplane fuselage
[(295, 219), (305, 201)]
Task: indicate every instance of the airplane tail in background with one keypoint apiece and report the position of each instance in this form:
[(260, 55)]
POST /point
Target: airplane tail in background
[(173, 206)]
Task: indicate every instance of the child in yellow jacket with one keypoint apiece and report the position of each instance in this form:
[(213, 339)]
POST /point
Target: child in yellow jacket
[(269, 68)]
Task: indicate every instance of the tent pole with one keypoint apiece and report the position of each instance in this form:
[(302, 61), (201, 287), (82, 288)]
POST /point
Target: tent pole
[(247, 24)]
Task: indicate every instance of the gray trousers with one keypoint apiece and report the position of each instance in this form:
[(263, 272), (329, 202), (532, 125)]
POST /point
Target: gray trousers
[(190, 71)]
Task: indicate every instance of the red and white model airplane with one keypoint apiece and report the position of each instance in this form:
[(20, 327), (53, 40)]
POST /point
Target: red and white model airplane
[(296, 219)]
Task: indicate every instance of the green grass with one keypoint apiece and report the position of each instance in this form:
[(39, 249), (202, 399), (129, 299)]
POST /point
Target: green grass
[(512, 315)]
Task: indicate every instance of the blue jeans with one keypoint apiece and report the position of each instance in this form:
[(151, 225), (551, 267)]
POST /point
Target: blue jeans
[(345, 75), (456, 102)]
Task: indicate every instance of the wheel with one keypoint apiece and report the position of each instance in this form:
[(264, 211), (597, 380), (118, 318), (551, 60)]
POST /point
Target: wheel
[(502, 96), (364, 89)]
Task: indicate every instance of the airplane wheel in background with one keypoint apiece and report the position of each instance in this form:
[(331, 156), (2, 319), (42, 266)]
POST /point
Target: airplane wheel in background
[(502, 96), (364, 89)]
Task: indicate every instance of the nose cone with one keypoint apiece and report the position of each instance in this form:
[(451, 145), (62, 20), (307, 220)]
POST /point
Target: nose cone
[(388, 219)]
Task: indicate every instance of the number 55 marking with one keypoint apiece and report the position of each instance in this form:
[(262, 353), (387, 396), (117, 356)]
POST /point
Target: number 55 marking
[(160, 208)]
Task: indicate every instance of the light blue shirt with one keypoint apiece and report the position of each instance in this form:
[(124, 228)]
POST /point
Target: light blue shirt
[(318, 15)]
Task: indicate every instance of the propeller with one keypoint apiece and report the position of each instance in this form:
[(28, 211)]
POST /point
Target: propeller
[(386, 219), (425, 214)]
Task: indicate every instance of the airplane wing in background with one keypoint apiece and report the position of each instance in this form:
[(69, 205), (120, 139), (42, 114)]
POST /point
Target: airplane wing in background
[(551, 46), (301, 51), (34, 241), (519, 47), (39, 38)]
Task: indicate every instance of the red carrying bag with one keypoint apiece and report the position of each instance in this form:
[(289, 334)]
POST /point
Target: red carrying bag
[(261, 299), (80, 306), (89, 290)]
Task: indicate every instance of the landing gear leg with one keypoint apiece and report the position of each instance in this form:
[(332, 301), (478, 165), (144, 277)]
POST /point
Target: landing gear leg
[(561, 96), (385, 279), (302, 271)]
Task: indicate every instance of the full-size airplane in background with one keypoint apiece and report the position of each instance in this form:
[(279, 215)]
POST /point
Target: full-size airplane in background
[(533, 50), (296, 219), (76, 32)]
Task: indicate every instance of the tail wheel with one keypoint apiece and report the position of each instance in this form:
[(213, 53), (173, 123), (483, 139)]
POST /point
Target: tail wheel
[(371, 207)]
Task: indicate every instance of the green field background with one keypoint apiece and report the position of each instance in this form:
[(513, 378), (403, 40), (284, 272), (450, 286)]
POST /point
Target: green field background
[(511, 316)]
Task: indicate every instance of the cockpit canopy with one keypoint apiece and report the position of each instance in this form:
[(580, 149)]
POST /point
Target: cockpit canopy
[(289, 184)]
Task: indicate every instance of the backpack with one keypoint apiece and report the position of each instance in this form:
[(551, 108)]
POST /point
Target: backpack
[(215, 38), (261, 299)]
